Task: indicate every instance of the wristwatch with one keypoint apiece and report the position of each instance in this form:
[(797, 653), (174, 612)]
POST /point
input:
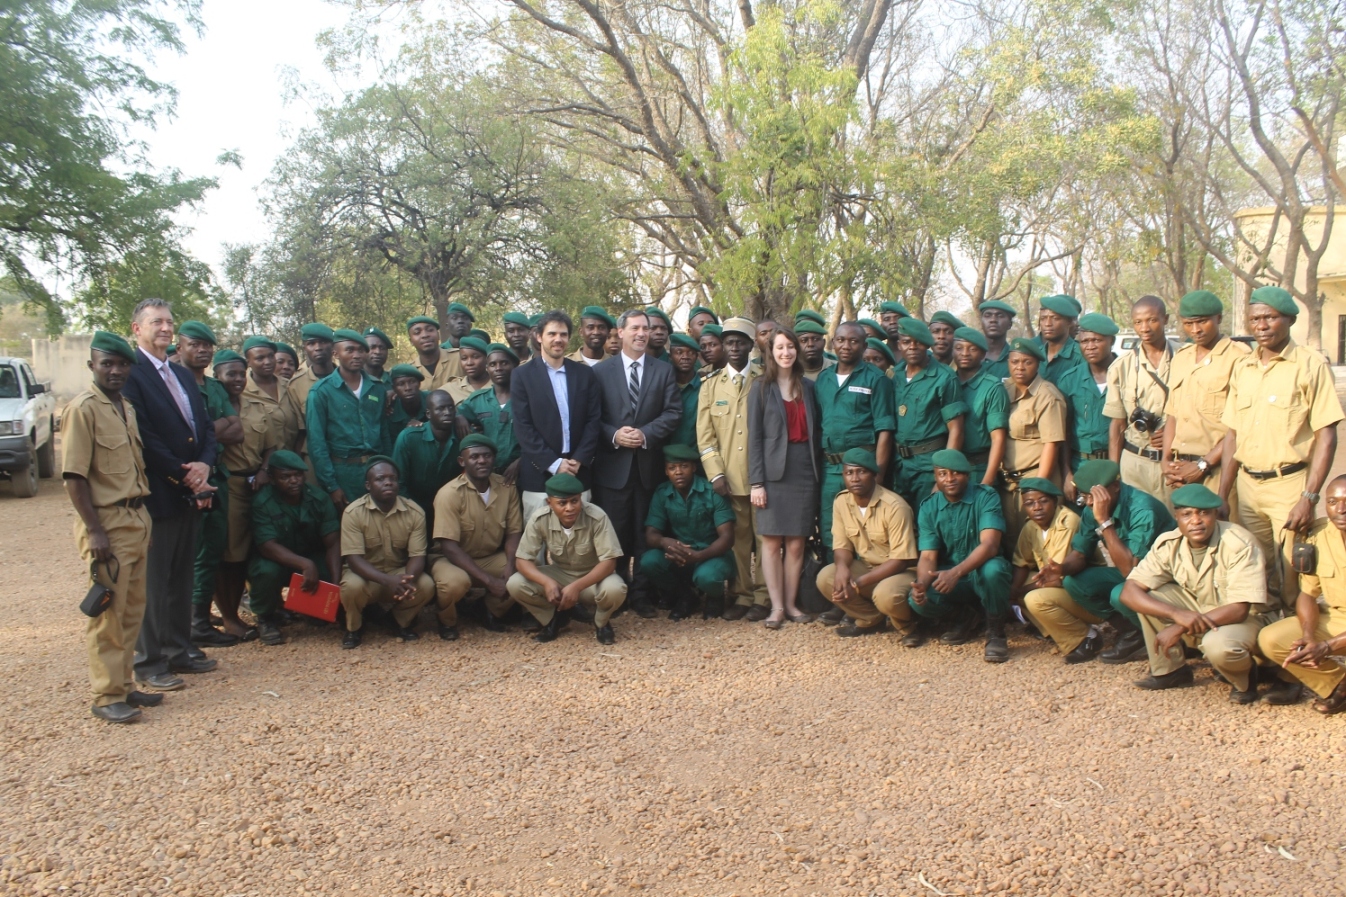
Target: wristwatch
[(1203, 465), (1098, 530), (1311, 496)]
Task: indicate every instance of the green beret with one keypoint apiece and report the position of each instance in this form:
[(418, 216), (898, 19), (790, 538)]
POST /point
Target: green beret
[(598, 314), (374, 331), (895, 308), (997, 305), (286, 460), (971, 335), (1061, 304), (676, 452), (478, 333), (808, 314), (473, 440), (460, 308), (1027, 347), (316, 331), (171, 351), (471, 342), (951, 459), (881, 347), (286, 349), (535, 320), (257, 342), (1040, 484), (702, 310), (226, 356), (197, 330), (406, 370), (861, 458), (807, 326), (346, 335), (682, 339), (657, 312), (917, 330), (1100, 324), (870, 323), (717, 331), (1096, 473), (516, 317), (1195, 495), (422, 319), (501, 347), (564, 485), (946, 317), (110, 342), (380, 459), (1277, 298), (1200, 304)]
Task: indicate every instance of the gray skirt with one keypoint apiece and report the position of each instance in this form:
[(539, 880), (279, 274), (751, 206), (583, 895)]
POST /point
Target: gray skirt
[(792, 501)]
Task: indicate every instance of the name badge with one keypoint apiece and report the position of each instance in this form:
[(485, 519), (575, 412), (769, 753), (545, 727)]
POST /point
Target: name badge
[(721, 402), (863, 390)]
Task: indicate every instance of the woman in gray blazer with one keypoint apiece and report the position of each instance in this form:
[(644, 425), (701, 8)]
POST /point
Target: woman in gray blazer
[(784, 469)]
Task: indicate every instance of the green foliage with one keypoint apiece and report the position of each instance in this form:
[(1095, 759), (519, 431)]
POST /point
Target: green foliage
[(155, 267)]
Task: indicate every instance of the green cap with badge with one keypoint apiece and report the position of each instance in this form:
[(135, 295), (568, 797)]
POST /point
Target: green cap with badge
[(197, 330), (284, 459), (1027, 347), (374, 331), (1277, 298), (471, 342), (916, 329), (807, 326), (808, 314), (346, 335), (714, 330), (501, 347), (516, 317), (1200, 304), (655, 311), (257, 342), (1195, 495), (564, 485), (682, 339), (678, 452), (871, 324), (1061, 304), (287, 349), (702, 310), (997, 305), (1040, 484), (861, 458), (315, 331), (970, 335), (881, 347), (894, 308), (472, 440), (405, 370), (380, 459), (226, 356), (946, 317), (1098, 323), (951, 459), (422, 319), (598, 314), (111, 342), (460, 309), (1096, 473)]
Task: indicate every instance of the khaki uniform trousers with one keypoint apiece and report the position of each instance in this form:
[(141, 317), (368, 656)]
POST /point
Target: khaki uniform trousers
[(1229, 649), (603, 598), (885, 599), (748, 589), (1275, 641), (1263, 507), (452, 585), (239, 541), (111, 636), (358, 593), (1011, 505), (1059, 617), (1145, 475)]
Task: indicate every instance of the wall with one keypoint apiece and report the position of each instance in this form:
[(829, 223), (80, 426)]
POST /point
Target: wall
[(63, 363)]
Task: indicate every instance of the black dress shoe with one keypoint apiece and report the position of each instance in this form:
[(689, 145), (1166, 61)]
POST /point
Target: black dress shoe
[(1086, 650), (530, 623), (548, 633), (757, 613), (1129, 648), (832, 617), (120, 712), (492, 623), (144, 699), (735, 612), (643, 609), (350, 640), (162, 682), (1179, 678), (406, 633), (1282, 693), (915, 636), (851, 630), (268, 631), (194, 665), (1249, 695), (214, 638), (963, 631), (581, 613), (448, 633), (605, 635)]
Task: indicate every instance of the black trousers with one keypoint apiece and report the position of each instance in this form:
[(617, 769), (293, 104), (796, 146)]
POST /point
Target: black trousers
[(166, 635), (627, 508)]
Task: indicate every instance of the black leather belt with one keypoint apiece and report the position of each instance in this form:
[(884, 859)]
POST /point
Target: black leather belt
[(1277, 473), (1015, 476), (978, 457), (836, 458), (921, 448), (1179, 456), (1147, 453), (132, 503), (250, 473)]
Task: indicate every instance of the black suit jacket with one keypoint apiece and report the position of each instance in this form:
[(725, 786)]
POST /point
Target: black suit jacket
[(657, 417), (169, 442), (537, 421), (768, 434)]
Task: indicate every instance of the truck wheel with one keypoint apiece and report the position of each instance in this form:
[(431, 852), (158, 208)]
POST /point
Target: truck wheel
[(25, 481), (46, 458)]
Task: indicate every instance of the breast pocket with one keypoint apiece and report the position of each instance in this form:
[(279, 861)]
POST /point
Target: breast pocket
[(1023, 428), (114, 453)]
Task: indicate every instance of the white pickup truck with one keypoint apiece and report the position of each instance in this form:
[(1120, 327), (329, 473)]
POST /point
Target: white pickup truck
[(27, 427)]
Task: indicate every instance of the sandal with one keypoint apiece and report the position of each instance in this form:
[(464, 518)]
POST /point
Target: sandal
[(1333, 703), (773, 624)]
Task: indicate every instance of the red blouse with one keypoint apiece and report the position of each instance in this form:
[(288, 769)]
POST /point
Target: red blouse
[(796, 421)]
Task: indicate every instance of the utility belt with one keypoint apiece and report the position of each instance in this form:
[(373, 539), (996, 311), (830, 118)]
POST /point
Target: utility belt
[(835, 458), (1147, 453), (1098, 455), (921, 448), (1283, 471), (1012, 477), (131, 503)]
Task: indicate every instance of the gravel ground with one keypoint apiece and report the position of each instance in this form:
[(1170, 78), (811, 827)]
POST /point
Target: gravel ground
[(691, 758)]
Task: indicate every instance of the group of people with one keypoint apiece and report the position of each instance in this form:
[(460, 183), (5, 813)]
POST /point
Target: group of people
[(947, 481)]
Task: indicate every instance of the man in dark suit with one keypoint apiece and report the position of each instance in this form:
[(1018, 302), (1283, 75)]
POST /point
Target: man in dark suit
[(180, 449), (557, 415), (641, 409)]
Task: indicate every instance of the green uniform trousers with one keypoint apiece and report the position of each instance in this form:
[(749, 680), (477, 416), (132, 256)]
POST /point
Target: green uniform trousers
[(988, 585), (833, 483), (266, 579), (210, 547), (350, 476), (914, 478), (709, 577), (1099, 591)]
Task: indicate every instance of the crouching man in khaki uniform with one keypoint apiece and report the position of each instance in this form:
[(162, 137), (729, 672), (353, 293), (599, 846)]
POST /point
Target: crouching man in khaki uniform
[(1203, 586), (583, 549), (873, 551), (383, 545)]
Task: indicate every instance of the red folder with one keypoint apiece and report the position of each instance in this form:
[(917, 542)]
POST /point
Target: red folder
[(322, 603)]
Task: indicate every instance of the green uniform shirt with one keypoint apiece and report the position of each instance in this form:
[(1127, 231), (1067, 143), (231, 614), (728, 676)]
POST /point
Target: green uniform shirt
[(484, 412), (988, 409), (854, 413), (299, 528), (1068, 358), (954, 528), (342, 426), (685, 434), (997, 367), (1140, 519), (1088, 428), (691, 520), (218, 405), (926, 403), (425, 465), (398, 419)]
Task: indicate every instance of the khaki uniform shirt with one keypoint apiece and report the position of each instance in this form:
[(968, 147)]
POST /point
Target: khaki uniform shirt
[(591, 541), (578, 355), (259, 436), (299, 387), (1197, 393), (1232, 572), (886, 532), (1328, 581), (479, 527), (459, 389), (1037, 547), (284, 414), (447, 369), (1135, 383), (1276, 409), (1037, 415), (104, 449), (387, 541), (722, 428)]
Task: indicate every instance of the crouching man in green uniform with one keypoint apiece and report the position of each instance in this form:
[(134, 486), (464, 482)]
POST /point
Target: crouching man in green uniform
[(296, 530), (690, 534)]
